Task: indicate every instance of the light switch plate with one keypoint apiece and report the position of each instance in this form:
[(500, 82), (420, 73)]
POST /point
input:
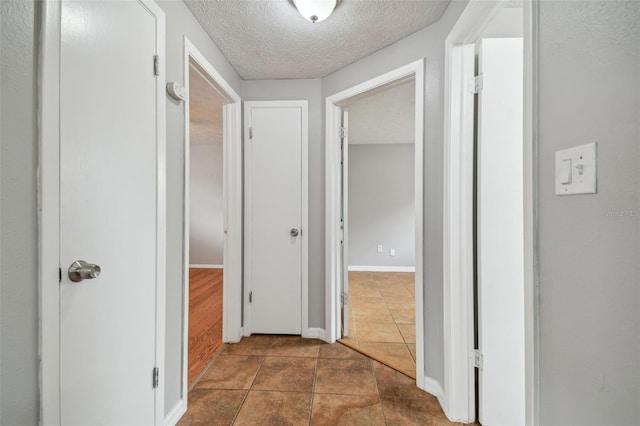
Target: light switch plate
[(582, 170)]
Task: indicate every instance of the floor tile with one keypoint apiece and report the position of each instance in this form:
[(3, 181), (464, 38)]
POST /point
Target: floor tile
[(212, 407), (393, 384), (379, 315), (345, 377), (403, 412), (410, 287), (347, 410), (275, 408), (294, 346), (404, 315), (257, 344), (374, 332), (400, 302), (339, 351), (412, 349), (231, 372), (286, 374), (408, 332), (393, 289), (394, 354), (364, 289)]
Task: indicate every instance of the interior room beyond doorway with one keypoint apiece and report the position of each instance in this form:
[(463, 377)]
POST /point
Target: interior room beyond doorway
[(206, 224)]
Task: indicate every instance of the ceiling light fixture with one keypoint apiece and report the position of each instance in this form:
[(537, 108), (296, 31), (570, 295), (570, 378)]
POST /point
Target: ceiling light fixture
[(315, 10)]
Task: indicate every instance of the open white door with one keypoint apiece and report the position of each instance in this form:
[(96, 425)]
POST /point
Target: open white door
[(112, 213), (344, 222), (275, 212), (500, 233)]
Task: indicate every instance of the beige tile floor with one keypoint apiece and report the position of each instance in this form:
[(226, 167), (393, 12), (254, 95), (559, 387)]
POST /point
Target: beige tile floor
[(285, 380), (382, 318)]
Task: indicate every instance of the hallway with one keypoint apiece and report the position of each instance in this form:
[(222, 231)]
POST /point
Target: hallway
[(277, 380)]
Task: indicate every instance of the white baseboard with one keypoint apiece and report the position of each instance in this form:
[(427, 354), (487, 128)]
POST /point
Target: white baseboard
[(176, 413), (358, 268), (206, 266), (314, 333)]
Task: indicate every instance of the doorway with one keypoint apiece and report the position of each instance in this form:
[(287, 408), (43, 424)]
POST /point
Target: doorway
[(379, 224), (338, 262), (489, 226), (206, 224), (212, 251)]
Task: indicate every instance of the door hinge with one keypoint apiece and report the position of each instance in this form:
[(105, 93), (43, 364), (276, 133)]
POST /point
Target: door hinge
[(343, 132), (156, 65), (344, 300), (250, 132), (156, 377), (250, 296), (477, 359), (476, 84), (59, 275)]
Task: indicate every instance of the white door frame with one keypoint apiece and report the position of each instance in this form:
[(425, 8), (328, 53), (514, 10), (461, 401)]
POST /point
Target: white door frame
[(232, 214), (459, 382), (49, 217), (333, 119), (304, 231)]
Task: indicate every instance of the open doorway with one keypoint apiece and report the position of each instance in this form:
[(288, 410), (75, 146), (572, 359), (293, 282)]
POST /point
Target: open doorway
[(340, 317), (378, 205), (489, 215), (206, 223), (212, 250)]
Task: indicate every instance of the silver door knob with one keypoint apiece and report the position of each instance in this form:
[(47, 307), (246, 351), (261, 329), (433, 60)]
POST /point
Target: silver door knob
[(81, 270), (294, 232)]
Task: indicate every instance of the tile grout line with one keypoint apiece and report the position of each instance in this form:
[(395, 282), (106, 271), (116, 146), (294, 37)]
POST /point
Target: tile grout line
[(313, 387), (244, 400), (375, 380)]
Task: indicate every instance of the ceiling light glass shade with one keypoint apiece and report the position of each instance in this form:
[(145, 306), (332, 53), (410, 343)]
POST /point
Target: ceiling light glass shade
[(315, 10)]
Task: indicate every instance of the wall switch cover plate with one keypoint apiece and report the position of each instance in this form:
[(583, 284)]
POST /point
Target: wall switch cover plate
[(576, 170)]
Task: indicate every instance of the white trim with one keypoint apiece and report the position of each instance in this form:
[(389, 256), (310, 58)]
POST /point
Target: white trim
[(358, 268), (232, 209), (173, 417), (314, 333), (332, 201), (434, 387), (304, 234), (459, 383), (205, 266), (49, 206)]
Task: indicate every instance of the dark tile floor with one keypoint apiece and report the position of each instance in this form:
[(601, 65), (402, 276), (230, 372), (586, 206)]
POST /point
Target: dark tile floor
[(284, 380)]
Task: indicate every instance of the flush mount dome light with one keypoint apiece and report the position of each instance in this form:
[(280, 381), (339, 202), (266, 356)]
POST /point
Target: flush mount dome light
[(315, 10)]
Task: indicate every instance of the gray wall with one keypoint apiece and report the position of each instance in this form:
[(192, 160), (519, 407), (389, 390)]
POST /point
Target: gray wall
[(590, 244), (381, 204), (18, 227), (282, 90), (429, 44), (180, 22), (206, 227)]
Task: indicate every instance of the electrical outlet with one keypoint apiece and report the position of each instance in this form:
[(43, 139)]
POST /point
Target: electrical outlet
[(392, 252), (379, 248)]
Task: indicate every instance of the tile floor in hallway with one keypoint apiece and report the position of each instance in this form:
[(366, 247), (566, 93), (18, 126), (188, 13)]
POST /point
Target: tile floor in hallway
[(286, 380), (382, 318)]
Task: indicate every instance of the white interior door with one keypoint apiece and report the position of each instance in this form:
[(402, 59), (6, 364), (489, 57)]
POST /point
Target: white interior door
[(344, 208), (500, 233), (274, 215), (112, 212)]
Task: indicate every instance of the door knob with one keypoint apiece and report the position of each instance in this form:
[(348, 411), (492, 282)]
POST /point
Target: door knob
[(81, 270), (294, 232)]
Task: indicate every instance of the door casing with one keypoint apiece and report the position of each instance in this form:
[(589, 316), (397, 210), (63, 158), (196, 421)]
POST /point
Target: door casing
[(306, 331), (334, 272), (49, 206), (232, 216), (458, 399)]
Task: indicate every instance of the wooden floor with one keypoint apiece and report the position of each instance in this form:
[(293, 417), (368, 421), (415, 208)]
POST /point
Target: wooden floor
[(205, 318)]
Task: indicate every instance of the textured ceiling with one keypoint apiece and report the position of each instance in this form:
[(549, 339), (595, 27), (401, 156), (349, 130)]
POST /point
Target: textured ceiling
[(268, 39), (205, 110)]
